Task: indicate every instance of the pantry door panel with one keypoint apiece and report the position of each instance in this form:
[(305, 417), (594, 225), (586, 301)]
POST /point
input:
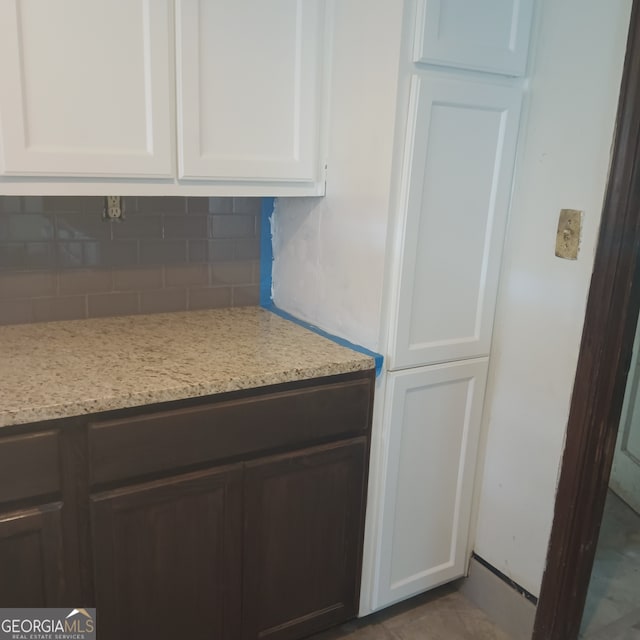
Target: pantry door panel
[(460, 154)]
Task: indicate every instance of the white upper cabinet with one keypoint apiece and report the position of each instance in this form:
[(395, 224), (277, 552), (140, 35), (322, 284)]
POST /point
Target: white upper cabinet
[(458, 166), (486, 35), (86, 89), (249, 88), (163, 97)]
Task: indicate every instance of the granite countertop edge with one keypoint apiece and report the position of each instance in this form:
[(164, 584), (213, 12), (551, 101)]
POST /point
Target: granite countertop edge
[(117, 363)]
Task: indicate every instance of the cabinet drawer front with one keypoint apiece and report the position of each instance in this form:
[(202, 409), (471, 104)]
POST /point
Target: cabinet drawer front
[(29, 466), (169, 440)]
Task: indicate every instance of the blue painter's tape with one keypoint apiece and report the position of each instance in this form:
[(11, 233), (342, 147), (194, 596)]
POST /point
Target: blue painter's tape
[(266, 251), (266, 280), (377, 357)]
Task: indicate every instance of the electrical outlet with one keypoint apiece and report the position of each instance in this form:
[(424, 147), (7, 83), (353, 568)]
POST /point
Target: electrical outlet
[(113, 208)]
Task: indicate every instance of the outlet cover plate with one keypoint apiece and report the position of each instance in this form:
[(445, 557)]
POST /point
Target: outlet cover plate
[(568, 236)]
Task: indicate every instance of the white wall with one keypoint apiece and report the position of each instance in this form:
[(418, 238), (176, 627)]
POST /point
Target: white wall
[(576, 65), (329, 253)]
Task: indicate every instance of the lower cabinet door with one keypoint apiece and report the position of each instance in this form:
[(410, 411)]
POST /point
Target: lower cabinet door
[(168, 557), (303, 540), (31, 558), (432, 423)]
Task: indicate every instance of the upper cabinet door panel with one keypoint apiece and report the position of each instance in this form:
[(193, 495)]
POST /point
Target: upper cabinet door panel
[(86, 88), (458, 170), (249, 88), (492, 35)]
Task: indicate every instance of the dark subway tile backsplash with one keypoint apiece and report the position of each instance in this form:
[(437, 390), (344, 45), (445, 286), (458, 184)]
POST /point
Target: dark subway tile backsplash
[(27, 227), (138, 278), (27, 255), (235, 226), (16, 311), (117, 253), (79, 225), (34, 284), (246, 205), (222, 250), (198, 251), (60, 260), (163, 251), (247, 249), (61, 308), (137, 226), (163, 300), (159, 205), (83, 281), (187, 275), (245, 296), (112, 304), (209, 298), (185, 226)]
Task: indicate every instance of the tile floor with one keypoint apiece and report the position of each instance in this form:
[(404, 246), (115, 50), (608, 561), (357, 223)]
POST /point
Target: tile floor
[(442, 614), (612, 611)]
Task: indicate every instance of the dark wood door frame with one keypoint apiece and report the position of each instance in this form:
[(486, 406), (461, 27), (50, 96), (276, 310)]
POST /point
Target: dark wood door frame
[(603, 365)]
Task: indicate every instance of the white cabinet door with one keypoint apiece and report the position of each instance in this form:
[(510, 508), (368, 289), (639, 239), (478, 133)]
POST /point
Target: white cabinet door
[(249, 89), (458, 168), (432, 420), (486, 35), (86, 88)]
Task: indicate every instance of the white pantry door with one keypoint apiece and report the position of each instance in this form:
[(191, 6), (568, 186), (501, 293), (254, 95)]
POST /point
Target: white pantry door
[(86, 88), (433, 417), (249, 88), (625, 474), (459, 160)]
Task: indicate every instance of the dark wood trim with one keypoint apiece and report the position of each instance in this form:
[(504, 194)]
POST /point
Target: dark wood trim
[(603, 365)]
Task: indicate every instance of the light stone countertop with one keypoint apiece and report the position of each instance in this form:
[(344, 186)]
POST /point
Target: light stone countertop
[(61, 369)]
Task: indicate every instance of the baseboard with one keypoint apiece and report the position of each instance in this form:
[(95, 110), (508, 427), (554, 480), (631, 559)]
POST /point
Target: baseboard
[(509, 606)]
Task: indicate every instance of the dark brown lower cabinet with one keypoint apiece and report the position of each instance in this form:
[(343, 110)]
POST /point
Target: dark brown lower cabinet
[(34, 571), (231, 517), (302, 531), (31, 557), (167, 557)]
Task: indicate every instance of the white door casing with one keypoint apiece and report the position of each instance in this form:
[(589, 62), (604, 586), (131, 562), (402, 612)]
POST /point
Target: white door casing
[(457, 175), (432, 422), (259, 117), (85, 88), (492, 35)]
